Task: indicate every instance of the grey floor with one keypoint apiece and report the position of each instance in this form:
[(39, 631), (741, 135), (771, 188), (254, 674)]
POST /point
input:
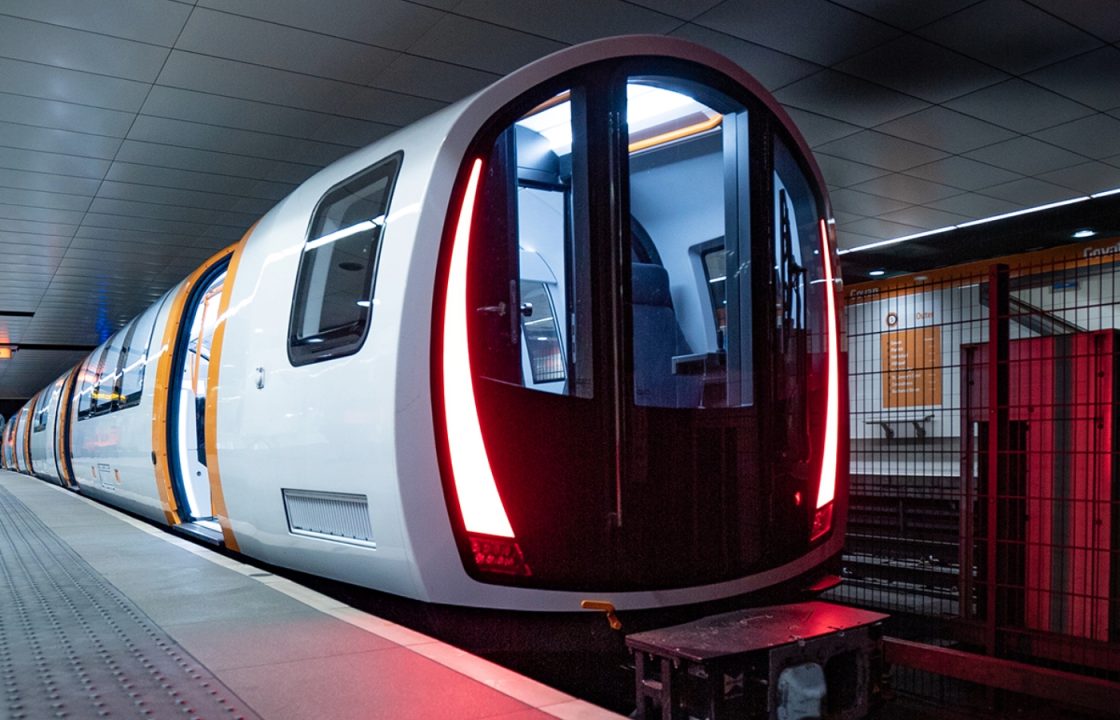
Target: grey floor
[(103, 615)]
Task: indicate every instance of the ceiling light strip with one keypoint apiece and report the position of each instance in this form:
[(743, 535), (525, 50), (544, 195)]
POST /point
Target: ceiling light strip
[(971, 223)]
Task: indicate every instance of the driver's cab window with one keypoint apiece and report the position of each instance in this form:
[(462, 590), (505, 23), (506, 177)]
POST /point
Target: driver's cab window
[(690, 273), (531, 292)]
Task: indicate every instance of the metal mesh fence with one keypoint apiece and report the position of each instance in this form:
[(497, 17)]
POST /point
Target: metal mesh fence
[(985, 486)]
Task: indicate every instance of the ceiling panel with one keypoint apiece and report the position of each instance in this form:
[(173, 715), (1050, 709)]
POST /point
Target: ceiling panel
[(40, 214), (38, 262), (160, 177), (863, 204), (150, 21), (847, 98), (922, 69), (1101, 19), (53, 83), (156, 155), (429, 78), (946, 130), (811, 29), (1088, 136), (39, 170), (36, 198), (963, 173), (839, 172), (154, 225), (94, 53), (65, 142), (881, 229), (457, 40), (906, 188), (925, 217), (351, 132), (885, 151), (677, 9), (1088, 178), (1020, 106), (180, 133), (8, 238), (133, 209), (820, 129), (570, 21), (1029, 192), (63, 116), (35, 228), (281, 87), (906, 15), (974, 205), (224, 35), (772, 68), (183, 198), (1031, 38), (1026, 155), (177, 104), (393, 24), (1090, 78), (92, 236)]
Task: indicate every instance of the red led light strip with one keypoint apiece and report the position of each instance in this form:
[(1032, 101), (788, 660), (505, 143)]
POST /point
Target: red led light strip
[(827, 487), (479, 501)]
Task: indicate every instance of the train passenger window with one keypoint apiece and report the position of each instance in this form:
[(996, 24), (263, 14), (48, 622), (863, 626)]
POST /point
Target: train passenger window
[(102, 398), (41, 409), (530, 282), (334, 288), (118, 363), (87, 378), (134, 358), (691, 296)]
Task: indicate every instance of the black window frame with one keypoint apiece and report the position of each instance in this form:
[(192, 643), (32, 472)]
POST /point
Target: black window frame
[(80, 385), (121, 402), (346, 339), (96, 405), (40, 410)]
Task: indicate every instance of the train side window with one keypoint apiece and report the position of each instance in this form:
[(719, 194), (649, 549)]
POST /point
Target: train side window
[(118, 362), (134, 358), (41, 410), (102, 399), (87, 378), (334, 287)]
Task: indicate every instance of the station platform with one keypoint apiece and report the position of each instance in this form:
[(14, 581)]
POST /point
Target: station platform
[(103, 615)]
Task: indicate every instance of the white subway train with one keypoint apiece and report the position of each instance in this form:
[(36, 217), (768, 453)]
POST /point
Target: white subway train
[(575, 337)]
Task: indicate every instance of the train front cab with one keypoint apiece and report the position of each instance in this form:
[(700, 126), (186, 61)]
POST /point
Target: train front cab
[(636, 363)]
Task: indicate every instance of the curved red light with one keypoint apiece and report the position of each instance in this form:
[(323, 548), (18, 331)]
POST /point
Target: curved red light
[(479, 501), (826, 491)]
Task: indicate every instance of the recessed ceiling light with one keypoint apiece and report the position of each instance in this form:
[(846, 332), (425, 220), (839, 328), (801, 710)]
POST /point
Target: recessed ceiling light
[(877, 273), (1084, 233)]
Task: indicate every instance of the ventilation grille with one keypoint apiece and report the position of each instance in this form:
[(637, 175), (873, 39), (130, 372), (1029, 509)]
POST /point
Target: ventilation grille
[(332, 516)]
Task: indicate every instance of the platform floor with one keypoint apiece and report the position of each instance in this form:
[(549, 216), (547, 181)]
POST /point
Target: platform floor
[(103, 615)]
